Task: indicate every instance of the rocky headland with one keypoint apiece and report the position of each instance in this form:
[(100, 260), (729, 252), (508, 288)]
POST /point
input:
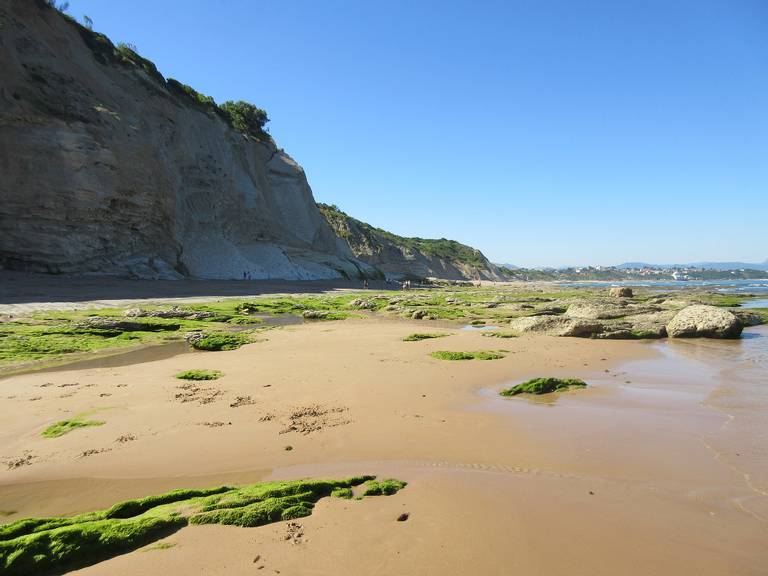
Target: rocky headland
[(111, 168)]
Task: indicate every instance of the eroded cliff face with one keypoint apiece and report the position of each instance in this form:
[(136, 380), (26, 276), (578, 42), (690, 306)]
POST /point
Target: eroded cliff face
[(399, 257), (106, 168)]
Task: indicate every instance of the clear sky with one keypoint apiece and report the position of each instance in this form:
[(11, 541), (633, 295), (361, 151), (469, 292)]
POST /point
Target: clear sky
[(544, 132)]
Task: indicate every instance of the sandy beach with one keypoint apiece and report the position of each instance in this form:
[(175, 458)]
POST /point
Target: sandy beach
[(637, 474), (381, 288)]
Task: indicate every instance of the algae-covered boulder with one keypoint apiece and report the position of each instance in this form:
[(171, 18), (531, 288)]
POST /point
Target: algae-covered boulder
[(700, 321), (99, 323), (314, 314), (544, 386), (172, 312)]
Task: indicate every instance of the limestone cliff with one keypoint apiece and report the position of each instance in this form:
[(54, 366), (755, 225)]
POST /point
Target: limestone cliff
[(106, 167), (400, 257)]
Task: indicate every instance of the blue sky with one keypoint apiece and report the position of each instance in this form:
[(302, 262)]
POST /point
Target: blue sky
[(544, 132)]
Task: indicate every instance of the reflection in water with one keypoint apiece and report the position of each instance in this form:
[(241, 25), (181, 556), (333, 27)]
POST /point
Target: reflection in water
[(548, 400), (761, 303)]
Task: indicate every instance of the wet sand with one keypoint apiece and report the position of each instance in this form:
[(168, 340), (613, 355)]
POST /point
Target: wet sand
[(654, 469)]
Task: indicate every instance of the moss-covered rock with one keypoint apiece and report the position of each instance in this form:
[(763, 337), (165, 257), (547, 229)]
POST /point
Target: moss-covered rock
[(544, 386), (475, 355), (385, 487), (215, 341)]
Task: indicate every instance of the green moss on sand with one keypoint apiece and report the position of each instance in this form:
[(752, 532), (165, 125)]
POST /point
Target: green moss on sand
[(499, 334), (423, 336), (345, 493), (724, 300), (243, 320), (67, 426), (383, 487), (544, 386), (199, 375), (56, 545), (476, 355)]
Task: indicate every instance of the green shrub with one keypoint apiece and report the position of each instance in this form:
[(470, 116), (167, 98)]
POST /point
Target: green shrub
[(345, 493), (245, 117), (191, 93)]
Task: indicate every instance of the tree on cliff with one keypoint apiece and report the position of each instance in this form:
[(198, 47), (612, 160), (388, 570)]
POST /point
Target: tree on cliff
[(245, 117)]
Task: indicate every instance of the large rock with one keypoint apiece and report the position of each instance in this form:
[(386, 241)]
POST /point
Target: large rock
[(621, 292), (557, 326), (701, 321), (595, 310)]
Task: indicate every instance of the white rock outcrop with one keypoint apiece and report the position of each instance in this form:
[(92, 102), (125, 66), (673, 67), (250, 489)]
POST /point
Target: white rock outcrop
[(700, 321)]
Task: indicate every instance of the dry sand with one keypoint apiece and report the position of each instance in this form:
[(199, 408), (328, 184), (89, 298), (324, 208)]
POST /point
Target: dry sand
[(631, 476)]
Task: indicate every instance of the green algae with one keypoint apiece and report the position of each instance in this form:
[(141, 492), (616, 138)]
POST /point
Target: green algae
[(544, 386), (424, 336), (55, 545), (475, 355), (215, 341), (67, 426), (199, 375), (385, 487)]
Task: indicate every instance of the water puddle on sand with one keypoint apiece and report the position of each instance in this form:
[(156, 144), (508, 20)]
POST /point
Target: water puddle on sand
[(115, 358), (108, 359), (694, 421)]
